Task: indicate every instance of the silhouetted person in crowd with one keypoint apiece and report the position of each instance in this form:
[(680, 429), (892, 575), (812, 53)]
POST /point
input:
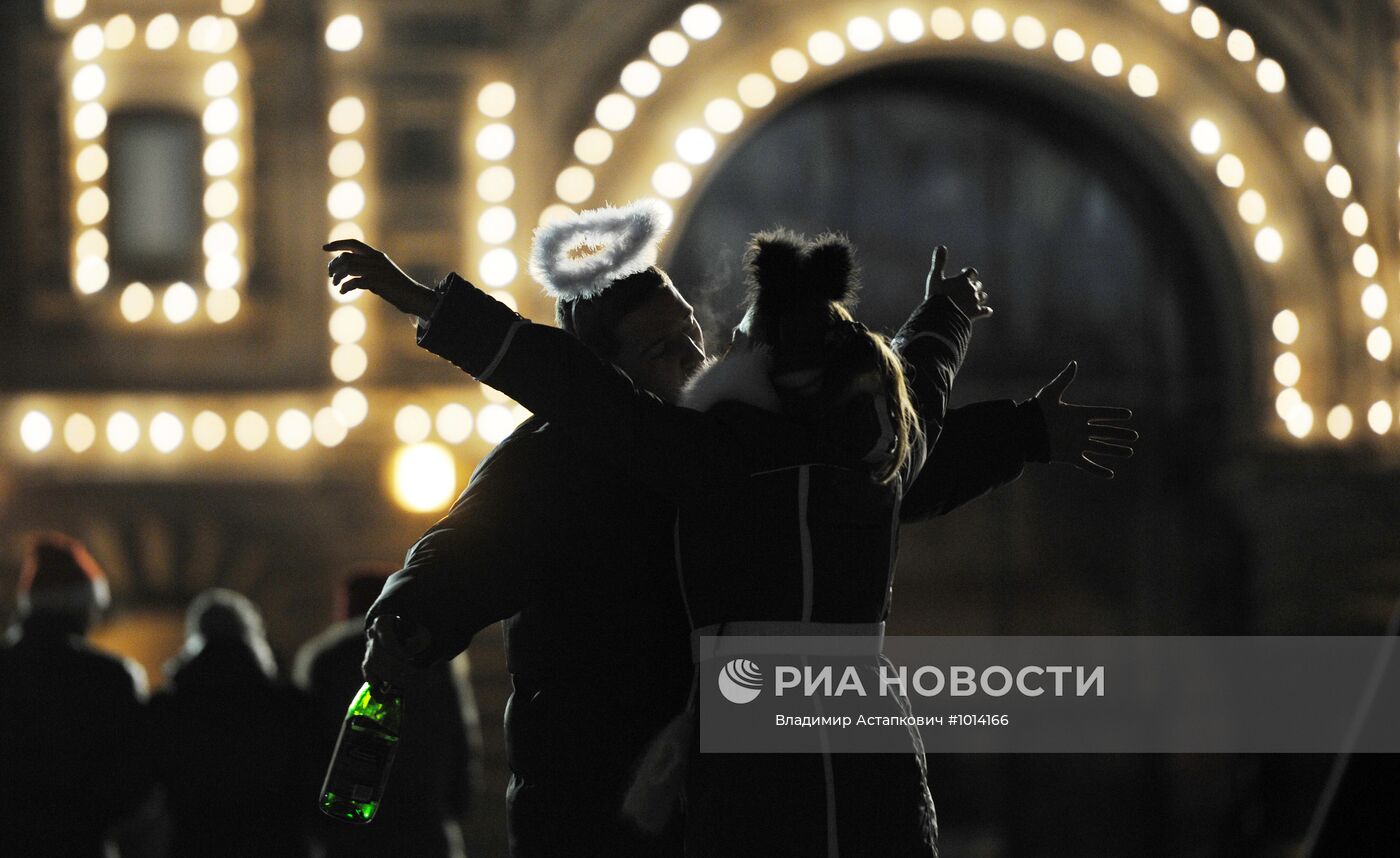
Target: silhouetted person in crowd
[(435, 767), (73, 757), (234, 750)]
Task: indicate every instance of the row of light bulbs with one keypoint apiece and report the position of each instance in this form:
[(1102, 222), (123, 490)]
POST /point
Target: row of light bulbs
[(1296, 414), (66, 10), (496, 224), (220, 119), (346, 202), (293, 428), (697, 145), (615, 112)]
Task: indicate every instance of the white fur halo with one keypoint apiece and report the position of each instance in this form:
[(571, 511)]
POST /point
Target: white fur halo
[(581, 256)]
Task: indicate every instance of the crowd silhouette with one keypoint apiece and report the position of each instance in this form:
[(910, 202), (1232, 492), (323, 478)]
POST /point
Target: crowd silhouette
[(226, 758)]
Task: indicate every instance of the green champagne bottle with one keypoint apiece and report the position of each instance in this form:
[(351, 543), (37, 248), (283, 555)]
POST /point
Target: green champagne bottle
[(359, 767)]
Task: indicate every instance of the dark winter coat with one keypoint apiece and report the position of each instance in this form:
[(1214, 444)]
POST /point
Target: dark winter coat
[(430, 783), (235, 753), (73, 743), (577, 559), (773, 525)]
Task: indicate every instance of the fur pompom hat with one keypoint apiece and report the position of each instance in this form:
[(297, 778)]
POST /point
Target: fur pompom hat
[(795, 287)]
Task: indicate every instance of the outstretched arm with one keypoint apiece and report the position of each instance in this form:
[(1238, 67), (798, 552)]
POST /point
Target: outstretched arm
[(987, 444), (934, 341), (546, 370)]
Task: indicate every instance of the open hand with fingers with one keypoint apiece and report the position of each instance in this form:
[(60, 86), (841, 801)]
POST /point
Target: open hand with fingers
[(360, 266), (965, 289), (1084, 435)]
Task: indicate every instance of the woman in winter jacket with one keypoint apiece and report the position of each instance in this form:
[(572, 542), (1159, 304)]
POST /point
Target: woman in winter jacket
[(788, 464)]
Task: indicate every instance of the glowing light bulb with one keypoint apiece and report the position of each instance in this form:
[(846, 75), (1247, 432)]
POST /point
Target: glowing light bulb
[(864, 33), (669, 48), (640, 78), (454, 423), (1339, 422), (347, 115), (1028, 32), (671, 180), (208, 431), (988, 25), (328, 427), (351, 405), (294, 429), (724, 115), (412, 424), (757, 90), (1068, 46), (35, 431), (123, 431), (349, 362), (347, 159), (1106, 60), (179, 303), (222, 306), (222, 272), (345, 200), (1270, 75), (221, 79), (1142, 80), (1230, 170), (344, 33), (700, 21), (162, 32), (1205, 23), (424, 477), (250, 430), (499, 266), (1286, 327), (1252, 207), (574, 184), (1355, 219), (496, 99), (220, 199), (1374, 301), (79, 432), (495, 184), (496, 225), (695, 145), (1205, 137), (1268, 244), (221, 157), (167, 432), (137, 302), (946, 24), (1380, 417), (615, 111), (1317, 144), (789, 66)]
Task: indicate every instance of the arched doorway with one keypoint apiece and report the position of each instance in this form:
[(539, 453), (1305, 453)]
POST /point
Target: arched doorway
[(1094, 248)]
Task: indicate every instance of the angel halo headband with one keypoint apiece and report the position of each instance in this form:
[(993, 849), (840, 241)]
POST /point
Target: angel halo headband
[(581, 256)]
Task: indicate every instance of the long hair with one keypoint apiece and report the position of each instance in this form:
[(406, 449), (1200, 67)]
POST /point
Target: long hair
[(908, 433)]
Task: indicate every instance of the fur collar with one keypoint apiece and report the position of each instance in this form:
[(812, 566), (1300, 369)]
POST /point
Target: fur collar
[(739, 376)]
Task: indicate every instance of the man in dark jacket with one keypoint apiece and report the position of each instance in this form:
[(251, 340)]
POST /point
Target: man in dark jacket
[(430, 784), (581, 560), (73, 756)]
